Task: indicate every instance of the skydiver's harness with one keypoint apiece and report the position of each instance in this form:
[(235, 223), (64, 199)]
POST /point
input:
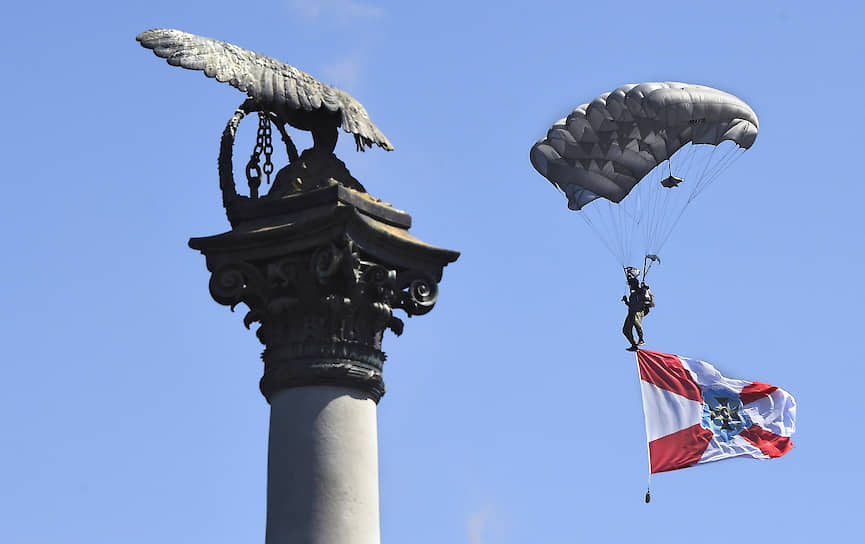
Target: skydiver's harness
[(644, 292)]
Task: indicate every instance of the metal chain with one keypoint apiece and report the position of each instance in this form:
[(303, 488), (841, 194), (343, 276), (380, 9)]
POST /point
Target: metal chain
[(265, 137), (263, 144)]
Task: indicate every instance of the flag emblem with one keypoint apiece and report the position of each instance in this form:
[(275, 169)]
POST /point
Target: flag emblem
[(724, 415), (696, 415)]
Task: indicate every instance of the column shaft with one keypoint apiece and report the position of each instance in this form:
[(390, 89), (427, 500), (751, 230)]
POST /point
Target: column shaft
[(322, 473)]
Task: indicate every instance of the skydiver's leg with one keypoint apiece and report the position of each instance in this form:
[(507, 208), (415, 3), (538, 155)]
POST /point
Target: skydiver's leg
[(628, 328), (638, 324)]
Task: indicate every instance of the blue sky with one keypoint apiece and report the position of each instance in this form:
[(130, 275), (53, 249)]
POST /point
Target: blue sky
[(129, 400)]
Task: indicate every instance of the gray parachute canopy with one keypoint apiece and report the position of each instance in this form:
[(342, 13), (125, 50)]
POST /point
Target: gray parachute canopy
[(604, 148)]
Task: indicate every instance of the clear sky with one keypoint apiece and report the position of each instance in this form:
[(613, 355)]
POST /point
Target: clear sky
[(129, 401)]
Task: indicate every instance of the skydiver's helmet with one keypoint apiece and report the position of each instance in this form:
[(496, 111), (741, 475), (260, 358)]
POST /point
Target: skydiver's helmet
[(632, 274)]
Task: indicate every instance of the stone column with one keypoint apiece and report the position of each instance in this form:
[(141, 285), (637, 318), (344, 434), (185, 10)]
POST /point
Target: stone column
[(322, 466), (322, 272)]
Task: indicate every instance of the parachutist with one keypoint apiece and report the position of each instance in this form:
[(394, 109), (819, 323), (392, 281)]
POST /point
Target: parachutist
[(639, 302)]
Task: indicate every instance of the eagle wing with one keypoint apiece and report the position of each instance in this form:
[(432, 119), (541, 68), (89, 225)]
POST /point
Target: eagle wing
[(263, 79)]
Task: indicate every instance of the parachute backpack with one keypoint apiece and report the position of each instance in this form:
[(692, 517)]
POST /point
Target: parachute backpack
[(648, 298), (608, 157)]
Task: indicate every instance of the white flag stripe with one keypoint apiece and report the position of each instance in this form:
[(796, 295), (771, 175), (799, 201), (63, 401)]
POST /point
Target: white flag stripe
[(667, 412), (708, 376), (776, 413), (718, 449)]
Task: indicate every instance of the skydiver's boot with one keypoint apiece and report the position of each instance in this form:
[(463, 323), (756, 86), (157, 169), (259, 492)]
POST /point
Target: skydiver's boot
[(641, 342), (632, 348)]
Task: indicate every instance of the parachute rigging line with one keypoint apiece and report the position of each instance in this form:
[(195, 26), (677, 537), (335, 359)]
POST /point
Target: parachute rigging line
[(727, 160)]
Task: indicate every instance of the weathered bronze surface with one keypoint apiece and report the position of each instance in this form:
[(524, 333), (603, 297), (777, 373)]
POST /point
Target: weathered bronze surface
[(322, 273), (281, 94), (320, 263)]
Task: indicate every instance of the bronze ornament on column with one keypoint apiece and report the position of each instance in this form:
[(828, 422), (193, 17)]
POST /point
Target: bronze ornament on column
[(320, 263)]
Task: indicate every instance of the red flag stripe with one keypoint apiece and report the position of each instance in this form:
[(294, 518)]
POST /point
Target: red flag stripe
[(680, 449), (767, 442), (666, 371), (756, 391)]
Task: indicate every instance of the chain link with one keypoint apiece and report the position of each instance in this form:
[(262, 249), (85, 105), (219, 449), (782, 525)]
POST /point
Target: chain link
[(267, 145), (263, 144)]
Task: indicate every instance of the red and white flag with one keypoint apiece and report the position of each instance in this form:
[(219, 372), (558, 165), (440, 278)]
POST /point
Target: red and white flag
[(695, 415)]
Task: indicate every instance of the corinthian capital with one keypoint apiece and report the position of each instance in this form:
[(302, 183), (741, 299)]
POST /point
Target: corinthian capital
[(323, 287)]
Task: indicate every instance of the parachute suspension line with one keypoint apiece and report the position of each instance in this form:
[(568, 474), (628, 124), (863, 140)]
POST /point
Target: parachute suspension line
[(726, 161), (700, 178), (655, 210), (610, 226), (654, 213), (626, 230), (694, 194), (598, 233), (714, 167), (635, 207), (598, 211), (659, 207), (666, 200), (706, 164), (640, 206), (623, 240), (616, 225), (643, 222), (664, 197), (618, 237), (660, 212), (627, 221), (702, 174), (672, 227)]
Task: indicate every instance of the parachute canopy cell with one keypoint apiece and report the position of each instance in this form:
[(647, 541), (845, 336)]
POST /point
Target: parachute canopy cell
[(604, 148)]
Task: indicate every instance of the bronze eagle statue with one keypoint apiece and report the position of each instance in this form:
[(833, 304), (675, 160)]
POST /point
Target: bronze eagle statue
[(294, 96)]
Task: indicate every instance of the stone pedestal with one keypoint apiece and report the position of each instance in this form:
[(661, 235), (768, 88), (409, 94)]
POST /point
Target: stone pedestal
[(322, 272)]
